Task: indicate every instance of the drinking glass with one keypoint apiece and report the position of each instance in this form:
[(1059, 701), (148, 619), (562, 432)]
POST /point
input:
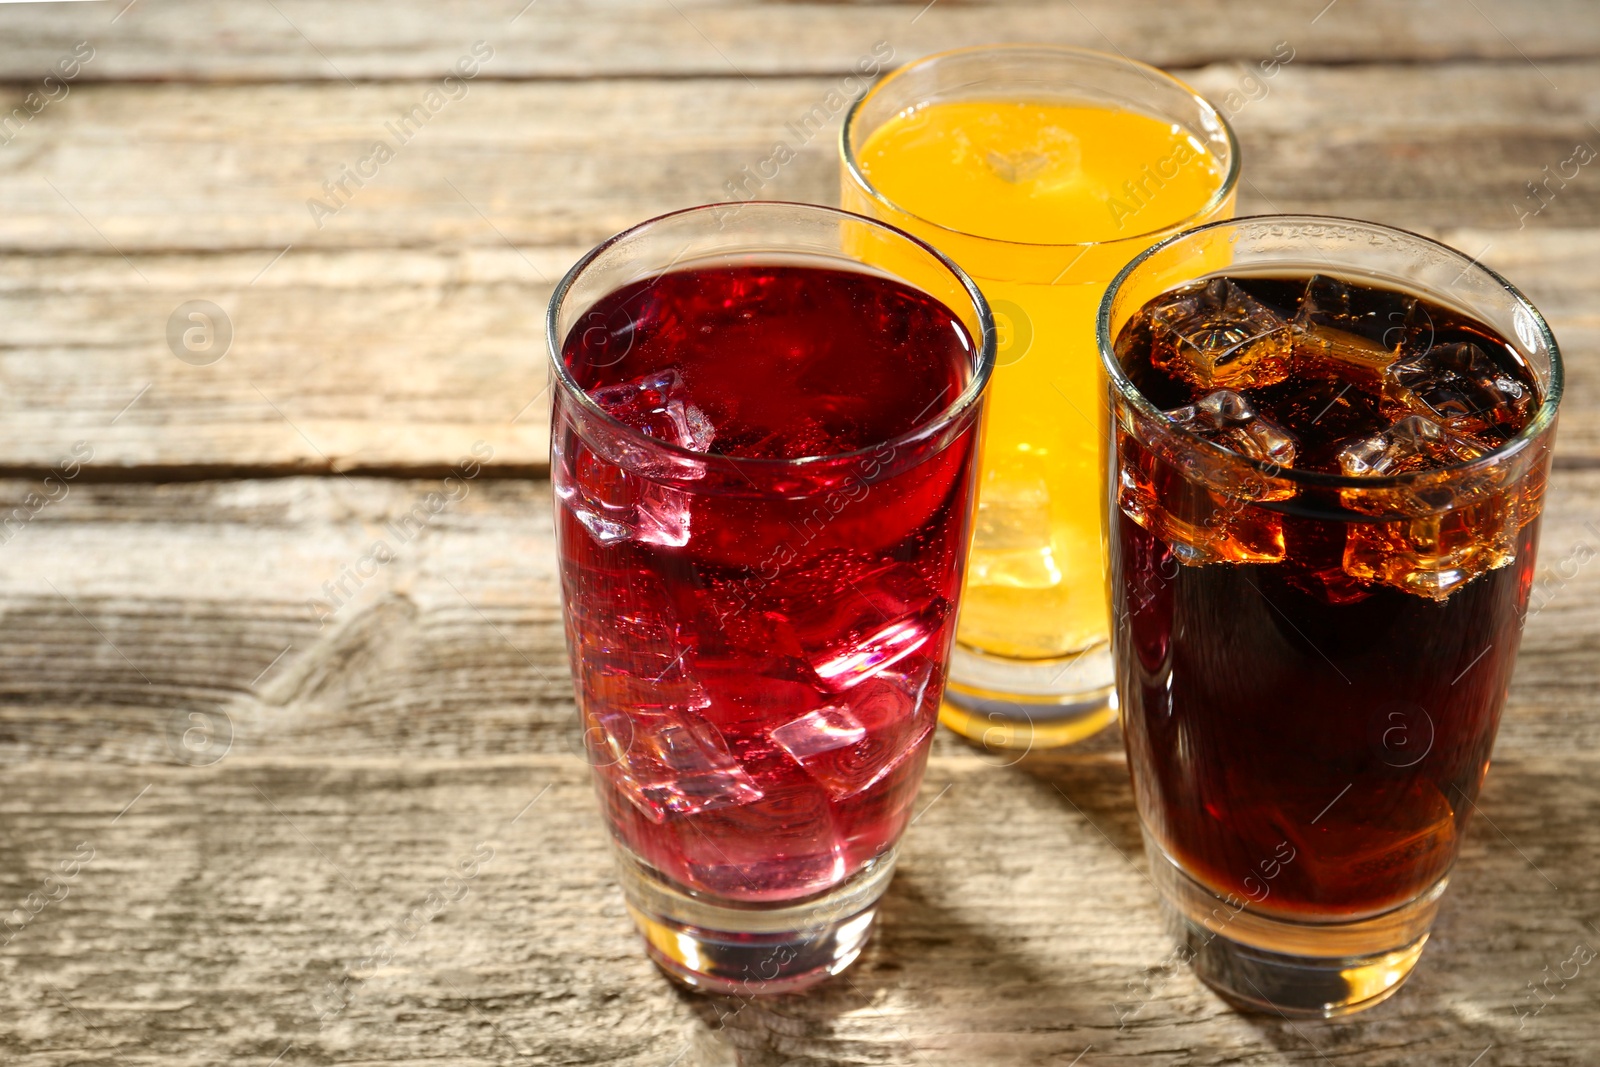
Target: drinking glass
[(1312, 665), (1042, 171), (759, 630)]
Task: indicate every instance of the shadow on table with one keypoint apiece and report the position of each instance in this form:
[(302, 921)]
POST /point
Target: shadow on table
[(1517, 906), (1095, 785), (939, 986), (932, 972), (869, 1013)]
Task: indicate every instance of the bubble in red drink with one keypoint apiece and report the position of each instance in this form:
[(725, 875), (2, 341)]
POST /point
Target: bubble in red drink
[(760, 568)]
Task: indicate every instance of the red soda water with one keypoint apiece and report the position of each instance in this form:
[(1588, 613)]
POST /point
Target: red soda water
[(759, 645)]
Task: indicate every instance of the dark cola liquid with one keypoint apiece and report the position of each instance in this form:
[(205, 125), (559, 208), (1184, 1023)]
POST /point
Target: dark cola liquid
[(1311, 695)]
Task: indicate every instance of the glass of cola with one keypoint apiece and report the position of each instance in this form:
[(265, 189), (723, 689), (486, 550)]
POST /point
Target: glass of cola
[(1329, 442)]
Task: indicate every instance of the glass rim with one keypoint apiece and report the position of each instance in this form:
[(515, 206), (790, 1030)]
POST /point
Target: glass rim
[(983, 354), (1542, 420), (852, 165)]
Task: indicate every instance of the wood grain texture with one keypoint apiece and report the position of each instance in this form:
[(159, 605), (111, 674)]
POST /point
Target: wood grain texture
[(226, 915), (339, 361), (409, 325), (124, 608), (136, 169), (309, 785), (400, 361), (370, 39), (275, 749)]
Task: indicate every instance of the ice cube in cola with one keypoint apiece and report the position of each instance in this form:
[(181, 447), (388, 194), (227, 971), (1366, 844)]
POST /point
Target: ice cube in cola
[(1460, 387), (1202, 522), (1399, 599), (759, 661), (1350, 342), (1214, 333)]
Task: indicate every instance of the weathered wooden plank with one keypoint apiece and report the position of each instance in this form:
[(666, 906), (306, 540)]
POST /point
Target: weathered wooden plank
[(285, 624), (130, 169), (401, 360), (369, 39), (230, 913), (1456, 145), (264, 608), (337, 361)]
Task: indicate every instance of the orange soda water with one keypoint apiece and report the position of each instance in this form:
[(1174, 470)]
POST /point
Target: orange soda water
[(1006, 188)]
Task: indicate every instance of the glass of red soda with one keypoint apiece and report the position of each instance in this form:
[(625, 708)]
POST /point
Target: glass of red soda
[(1329, 443), (763, 447)]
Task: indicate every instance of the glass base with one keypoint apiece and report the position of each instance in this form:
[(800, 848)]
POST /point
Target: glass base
[(745, 949), (1029, 704), (1294, 968)]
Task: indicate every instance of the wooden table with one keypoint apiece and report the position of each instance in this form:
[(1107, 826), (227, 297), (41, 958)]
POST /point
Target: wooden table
[(237, 795)]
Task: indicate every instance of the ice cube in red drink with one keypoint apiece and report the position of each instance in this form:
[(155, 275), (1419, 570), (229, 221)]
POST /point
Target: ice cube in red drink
[(760, 669)]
